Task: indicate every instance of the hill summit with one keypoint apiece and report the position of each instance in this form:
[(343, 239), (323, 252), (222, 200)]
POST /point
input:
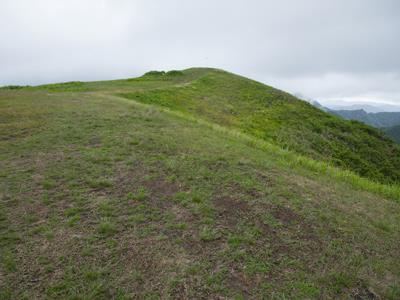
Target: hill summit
[(273, 115)]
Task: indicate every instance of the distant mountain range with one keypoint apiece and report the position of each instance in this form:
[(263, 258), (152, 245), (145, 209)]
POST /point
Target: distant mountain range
[(388, 121), (368, 107), (380, 119)]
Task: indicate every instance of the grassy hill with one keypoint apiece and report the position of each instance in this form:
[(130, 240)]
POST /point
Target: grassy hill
[(111, 190), (276, 116)]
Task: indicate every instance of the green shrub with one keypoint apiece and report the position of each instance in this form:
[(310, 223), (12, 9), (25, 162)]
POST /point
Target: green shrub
[(174, 73), (155, 73), (13, 87)]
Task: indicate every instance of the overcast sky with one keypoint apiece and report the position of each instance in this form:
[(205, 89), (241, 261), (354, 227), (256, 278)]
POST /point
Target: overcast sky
[(329, 50)]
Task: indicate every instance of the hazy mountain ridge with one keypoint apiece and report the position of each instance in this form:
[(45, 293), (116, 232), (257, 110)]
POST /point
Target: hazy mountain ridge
[(386, 121), (368, 107), (380, 119)]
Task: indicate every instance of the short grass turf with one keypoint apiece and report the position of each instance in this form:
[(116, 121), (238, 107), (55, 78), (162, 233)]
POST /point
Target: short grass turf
[(103, 197)]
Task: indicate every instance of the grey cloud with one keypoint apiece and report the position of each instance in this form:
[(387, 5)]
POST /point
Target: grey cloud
[(322, 49)]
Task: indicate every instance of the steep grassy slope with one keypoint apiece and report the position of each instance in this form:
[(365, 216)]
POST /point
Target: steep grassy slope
[(393, 132), (103, 197), (273, 115)]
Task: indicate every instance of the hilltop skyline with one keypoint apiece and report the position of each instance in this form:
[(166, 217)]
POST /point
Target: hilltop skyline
[(336, 52)]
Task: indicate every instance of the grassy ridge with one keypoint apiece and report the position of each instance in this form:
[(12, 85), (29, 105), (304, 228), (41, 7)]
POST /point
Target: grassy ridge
[(264, 112), (291, 160), (102, 197)]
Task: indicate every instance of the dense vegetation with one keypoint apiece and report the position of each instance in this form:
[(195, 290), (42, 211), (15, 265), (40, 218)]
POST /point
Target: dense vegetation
[(393, 132), (276, 116), (103, 197)]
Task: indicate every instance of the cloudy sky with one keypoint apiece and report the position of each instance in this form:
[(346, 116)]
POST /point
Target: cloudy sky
[(329, 50)]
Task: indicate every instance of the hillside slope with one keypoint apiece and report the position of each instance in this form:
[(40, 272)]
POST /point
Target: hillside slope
[(107, 198), (276, 116), (393, 132), (261, 111)]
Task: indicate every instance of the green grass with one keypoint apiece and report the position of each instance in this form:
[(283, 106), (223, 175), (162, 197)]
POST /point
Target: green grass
[(140, 194), (106, 198), (275, 116), (209, 234), (107, 228)]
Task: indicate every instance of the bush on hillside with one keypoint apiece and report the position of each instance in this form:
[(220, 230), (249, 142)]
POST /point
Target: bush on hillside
[(14, 87), (174, 73), (155, 73)]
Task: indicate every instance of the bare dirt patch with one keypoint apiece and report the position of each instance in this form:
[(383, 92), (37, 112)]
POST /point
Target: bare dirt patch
[(230, 210), (286, 215)]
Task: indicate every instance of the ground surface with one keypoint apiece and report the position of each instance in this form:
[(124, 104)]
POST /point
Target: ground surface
[(104, 197)]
